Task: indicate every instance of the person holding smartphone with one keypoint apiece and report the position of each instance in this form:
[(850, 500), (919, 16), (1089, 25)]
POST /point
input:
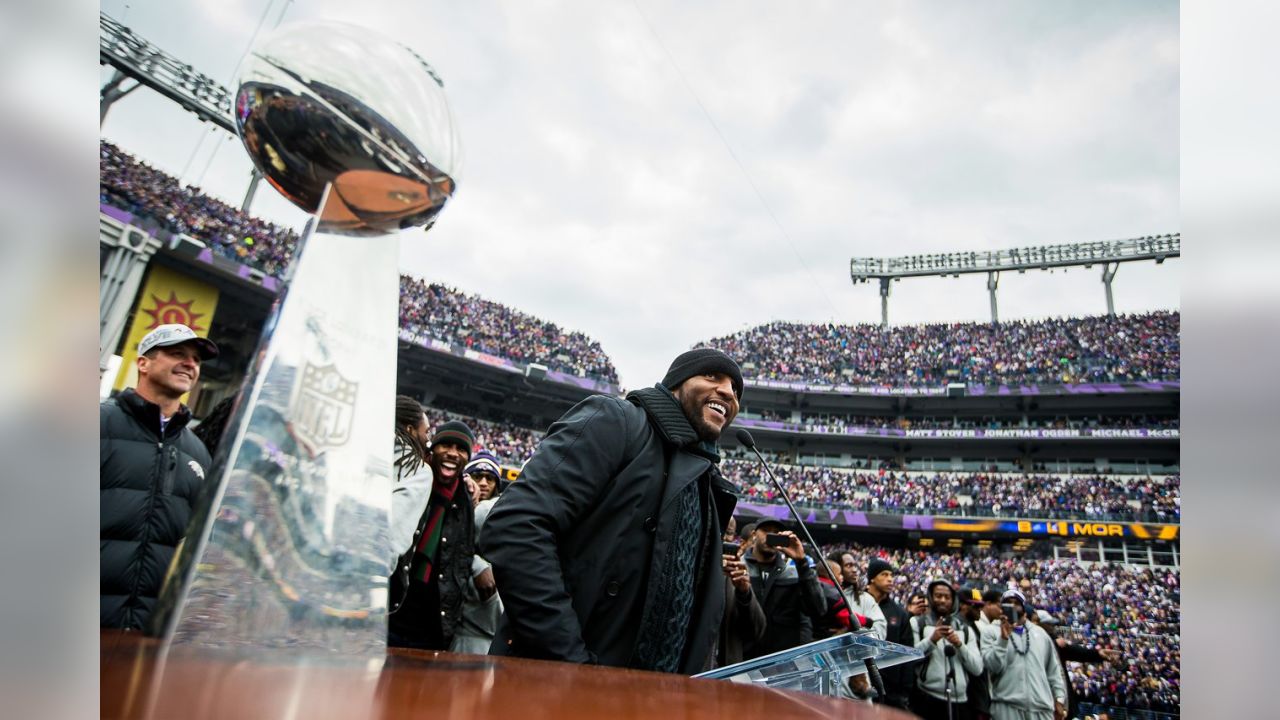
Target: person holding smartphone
[(786, 585), (1026, 677), (951, 656), (744, 620)]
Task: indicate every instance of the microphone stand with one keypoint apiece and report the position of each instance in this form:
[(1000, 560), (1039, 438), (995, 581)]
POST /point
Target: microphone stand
[(873, 672), (949, 678), (873, 675)]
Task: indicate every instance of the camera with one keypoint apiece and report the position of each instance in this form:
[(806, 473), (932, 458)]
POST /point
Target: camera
[(777, 540), (729, 548)]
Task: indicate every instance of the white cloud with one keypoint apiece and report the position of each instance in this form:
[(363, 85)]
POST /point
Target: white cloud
[(596, 193)]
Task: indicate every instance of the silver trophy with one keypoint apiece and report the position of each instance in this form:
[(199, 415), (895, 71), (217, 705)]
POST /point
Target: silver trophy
[(291, 549)]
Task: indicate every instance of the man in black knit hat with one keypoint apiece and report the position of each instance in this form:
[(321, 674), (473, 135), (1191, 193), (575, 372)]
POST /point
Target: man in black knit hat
[(607, 550), (428, 581), (899, 681)]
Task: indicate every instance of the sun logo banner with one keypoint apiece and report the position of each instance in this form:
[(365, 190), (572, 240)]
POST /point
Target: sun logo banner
[(167, 297)]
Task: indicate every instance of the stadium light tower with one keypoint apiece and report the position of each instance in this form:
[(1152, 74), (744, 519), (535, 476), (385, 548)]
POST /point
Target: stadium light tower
[(1107, 253), (135, 58)]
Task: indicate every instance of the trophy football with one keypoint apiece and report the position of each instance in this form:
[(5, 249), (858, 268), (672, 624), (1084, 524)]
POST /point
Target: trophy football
[(291, 550)]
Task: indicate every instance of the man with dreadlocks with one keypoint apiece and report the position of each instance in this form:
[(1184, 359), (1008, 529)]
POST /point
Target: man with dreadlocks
[(413, 475)]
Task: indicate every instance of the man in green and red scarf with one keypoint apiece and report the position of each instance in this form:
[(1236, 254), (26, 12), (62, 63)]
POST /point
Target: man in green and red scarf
[(427, 582)]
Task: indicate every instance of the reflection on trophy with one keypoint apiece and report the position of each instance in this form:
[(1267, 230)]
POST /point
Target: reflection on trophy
[(291, 548)]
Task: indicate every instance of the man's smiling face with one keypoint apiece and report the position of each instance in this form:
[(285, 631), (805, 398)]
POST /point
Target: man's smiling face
[(170, 371), (709, 403), (448, 458)]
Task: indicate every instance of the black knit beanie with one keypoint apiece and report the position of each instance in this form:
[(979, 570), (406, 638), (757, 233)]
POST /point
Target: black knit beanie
[(877, 566), (457, 432), (703, 360)]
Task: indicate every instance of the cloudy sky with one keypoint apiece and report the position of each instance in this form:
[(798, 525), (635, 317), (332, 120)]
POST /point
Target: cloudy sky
[(657, 173)]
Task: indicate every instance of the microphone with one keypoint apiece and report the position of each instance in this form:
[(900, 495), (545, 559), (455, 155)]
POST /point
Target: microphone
[(744, 437)]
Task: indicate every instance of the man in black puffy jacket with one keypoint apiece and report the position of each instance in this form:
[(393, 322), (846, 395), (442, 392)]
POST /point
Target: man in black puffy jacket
[(152, 470)]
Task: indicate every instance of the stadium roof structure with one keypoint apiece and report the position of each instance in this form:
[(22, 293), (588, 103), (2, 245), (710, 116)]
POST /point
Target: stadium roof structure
[(1107, 253), (136, 58), (133, 57)]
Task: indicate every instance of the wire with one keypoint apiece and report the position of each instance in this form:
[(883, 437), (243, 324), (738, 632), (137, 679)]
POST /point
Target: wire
[(716, 127), (212, 155), (252, 38), (191, 158)]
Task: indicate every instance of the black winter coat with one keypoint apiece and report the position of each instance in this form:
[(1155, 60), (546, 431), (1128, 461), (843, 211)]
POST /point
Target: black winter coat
[(452, 563), (148, 486), (791, 597), (573, 540), (899, 680)]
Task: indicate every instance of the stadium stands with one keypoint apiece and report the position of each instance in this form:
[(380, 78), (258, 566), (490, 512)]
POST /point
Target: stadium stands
[(1137, 612), (496, 329), (513, 445), (134, 186), (1077, 350), (1011, 495), (835, 421)]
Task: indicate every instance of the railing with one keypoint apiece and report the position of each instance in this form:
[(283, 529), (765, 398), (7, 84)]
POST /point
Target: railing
[(1121, 713)]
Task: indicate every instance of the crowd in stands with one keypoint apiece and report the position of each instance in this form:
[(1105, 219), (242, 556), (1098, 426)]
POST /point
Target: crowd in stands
[(496, 329), (1134, 611), (1081, 497), (840, 421), (1088, 497), (156, 197), (1074, 350), (513, 445)]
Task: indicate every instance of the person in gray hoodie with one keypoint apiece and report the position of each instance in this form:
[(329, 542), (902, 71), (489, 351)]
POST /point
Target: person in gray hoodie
[(951, 655), (1026, 680)]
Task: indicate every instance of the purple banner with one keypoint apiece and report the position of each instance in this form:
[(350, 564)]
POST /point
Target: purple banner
[(116, 213), (195, 250), (962, 433), (975, 389)]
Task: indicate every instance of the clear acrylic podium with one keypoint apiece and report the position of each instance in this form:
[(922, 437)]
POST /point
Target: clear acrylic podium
[(821, 667)]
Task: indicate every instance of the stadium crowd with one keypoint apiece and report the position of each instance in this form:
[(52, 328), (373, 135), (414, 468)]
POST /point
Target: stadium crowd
[(512, 444), (1081, 497), (840, 421), (1091, 497), (1134, 611), (496, 329), (156, 197), (1073, 350)]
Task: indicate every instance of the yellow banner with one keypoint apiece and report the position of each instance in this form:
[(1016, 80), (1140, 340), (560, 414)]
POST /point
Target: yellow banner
[(167, 297)]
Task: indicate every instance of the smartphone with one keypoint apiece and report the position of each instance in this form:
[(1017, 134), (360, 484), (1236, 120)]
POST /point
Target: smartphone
[(777, 540), (729, 548), (1011, 611)]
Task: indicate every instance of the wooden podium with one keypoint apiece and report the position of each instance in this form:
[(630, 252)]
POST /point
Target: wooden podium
[(203, 685)]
